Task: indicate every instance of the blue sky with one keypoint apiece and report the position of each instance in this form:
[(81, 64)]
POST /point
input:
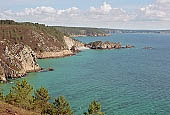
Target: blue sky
[(123, 14), (62, 4)]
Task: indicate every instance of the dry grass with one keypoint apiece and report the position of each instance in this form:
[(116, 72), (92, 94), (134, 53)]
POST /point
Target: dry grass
[(7, 109)]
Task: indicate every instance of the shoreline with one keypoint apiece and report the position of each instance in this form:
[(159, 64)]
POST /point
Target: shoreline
[(60, 54), (48, 55)]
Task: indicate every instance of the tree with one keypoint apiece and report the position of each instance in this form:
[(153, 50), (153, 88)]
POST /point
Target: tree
[(94, 109), (41, 100), (62, 106), (21, 95)]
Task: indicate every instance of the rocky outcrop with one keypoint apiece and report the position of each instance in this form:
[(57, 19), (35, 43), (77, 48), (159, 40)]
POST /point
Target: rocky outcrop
[(73, 44), (147, 48), (17, 60), (103, 45), (71, 47), (129, 46), (106, 45)]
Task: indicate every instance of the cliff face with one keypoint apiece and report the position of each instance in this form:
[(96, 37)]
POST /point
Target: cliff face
[(72, 43), (22, 44), (17, 60)]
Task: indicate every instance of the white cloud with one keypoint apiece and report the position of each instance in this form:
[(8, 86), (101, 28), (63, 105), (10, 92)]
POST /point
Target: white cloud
[(104, 14), (156, 15), (160, 10), (105, 8)]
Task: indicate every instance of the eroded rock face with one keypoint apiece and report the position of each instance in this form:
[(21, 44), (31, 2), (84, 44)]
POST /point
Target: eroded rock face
[(73, 44), (2, 74), (103, 45), (17, 60), (71, 47)]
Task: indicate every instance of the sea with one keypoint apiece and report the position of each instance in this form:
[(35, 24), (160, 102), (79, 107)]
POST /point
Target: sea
[(133, 81)]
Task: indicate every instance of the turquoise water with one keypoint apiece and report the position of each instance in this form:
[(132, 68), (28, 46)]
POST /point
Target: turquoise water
[(126, 81)]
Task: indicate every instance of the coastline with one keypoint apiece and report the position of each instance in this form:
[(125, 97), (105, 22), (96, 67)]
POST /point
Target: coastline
[(47, 55), (59, 54)]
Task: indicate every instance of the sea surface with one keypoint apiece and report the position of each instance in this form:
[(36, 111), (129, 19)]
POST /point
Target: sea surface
[(126, 81)]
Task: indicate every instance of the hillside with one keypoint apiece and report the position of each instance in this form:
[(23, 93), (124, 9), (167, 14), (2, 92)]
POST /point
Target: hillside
[(81, 31), (111, 31), (22, 43), (84, 31), (7, 109)]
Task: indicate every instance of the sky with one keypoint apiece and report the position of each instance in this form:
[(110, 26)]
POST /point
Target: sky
[(116, 14)]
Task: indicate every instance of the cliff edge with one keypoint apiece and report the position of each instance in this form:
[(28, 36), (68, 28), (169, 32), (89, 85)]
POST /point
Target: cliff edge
[(22, 43)]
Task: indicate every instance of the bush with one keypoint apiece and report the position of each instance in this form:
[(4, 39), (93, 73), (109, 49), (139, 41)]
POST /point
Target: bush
[(41, 100), (62, 106), (21, 95), (94, 109)]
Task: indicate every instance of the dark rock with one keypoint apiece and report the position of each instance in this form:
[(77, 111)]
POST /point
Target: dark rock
[(148, 48), (46, 69), (129, 46), (50, 69)]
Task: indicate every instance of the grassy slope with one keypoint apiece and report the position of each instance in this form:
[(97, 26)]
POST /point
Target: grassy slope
[(39, 37), (79, 30), (7, 109)]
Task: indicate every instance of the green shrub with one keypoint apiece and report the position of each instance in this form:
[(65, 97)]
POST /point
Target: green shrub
[(21, 95), (62, 106), (94, 109)]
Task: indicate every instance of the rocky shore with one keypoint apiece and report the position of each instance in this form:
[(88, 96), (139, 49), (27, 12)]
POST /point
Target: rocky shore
[(55, 54), (19, 59), (22, 44), (106, 45)]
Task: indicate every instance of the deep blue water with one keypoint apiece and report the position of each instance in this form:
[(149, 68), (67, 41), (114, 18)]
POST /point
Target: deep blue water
[(126, 81)]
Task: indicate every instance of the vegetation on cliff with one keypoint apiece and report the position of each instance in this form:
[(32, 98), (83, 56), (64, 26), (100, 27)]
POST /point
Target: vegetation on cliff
[(22, 96), (81, 31)]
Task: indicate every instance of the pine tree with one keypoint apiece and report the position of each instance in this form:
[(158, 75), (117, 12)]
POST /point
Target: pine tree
[(21, 95), (94, 109), (62, 106), (41, 100)]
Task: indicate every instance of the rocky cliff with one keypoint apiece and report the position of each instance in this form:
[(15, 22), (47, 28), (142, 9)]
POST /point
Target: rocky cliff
[(21, 45), (17, 60), (73, 44), (106, 45)]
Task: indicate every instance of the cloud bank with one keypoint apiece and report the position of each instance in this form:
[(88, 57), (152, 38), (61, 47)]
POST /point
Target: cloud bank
[(153, 16)]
